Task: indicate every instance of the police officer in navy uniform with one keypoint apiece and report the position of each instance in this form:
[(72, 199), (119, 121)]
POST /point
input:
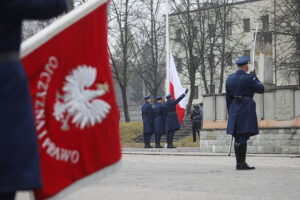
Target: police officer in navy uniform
[(159, 123), (242, 121), (19, 162), (148, 121), (171, 118), (196, 118)]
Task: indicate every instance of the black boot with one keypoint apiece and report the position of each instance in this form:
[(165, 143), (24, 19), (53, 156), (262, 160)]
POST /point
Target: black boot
[(148, 146), (171, 146), (237, 153), (157, 141), (148, 141), (194, 137), (170, 141), (241, 163)]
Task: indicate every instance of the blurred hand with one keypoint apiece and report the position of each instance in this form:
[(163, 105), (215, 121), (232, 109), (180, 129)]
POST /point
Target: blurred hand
[(186, 91)]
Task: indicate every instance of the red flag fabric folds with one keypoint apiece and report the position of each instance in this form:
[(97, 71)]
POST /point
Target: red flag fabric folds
[(76, 114), (176, 90)]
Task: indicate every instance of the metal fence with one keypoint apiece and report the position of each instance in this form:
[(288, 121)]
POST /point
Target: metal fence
[(135, 113)]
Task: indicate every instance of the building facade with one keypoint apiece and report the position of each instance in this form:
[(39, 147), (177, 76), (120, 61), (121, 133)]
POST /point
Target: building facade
[(219, 33)]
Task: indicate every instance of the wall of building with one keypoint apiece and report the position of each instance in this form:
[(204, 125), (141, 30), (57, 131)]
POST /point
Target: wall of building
[(269, 141), (278, 113)]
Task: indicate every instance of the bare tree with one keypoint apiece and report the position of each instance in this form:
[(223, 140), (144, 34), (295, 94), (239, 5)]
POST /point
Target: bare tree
[(77, 2), (121, 46), (149, 45), (31, 27), (183, 22), (206, 40), (287, 38)]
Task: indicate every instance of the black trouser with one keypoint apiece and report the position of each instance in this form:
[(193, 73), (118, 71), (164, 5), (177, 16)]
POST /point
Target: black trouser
[(157, 138), (170, 136), (196, 126), (7, 196), (241, 139), (147, 138)]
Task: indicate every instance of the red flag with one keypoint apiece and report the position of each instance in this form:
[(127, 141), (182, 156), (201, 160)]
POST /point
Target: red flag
[(76, 114), (176, 90)]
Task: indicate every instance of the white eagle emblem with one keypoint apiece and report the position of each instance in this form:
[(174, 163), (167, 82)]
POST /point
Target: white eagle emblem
[(79, 102)]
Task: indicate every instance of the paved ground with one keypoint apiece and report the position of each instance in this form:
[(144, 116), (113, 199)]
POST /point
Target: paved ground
[(174, 177)]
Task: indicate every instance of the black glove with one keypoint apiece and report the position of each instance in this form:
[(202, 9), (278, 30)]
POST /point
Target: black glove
[(253, 73), (186, 91)]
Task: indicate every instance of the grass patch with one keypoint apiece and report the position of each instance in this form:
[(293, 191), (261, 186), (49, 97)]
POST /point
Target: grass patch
[(131, 130), (187, 142)]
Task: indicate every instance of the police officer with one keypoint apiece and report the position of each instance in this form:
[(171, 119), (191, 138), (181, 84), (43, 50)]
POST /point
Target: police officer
[(196, 118), (19, 163), (148, 119), (171, 118), (242, 121), (159, 123)]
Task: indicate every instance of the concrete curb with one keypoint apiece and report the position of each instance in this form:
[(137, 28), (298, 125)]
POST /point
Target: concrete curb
[(192, 152)]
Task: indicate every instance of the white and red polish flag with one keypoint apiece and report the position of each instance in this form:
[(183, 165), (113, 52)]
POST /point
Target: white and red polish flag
[(176, 89), (70, 80)]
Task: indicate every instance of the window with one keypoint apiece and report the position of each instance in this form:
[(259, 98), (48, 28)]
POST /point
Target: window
[(195, 32), (265, 22), (196, 92), (211, 29), (246, 25), (228, 28), (228, 59), (178, 62), (178, 35), (247, 52), (212, 89), (196, 60)]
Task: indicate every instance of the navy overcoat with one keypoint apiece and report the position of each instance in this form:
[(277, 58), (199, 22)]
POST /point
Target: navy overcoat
[(159, 122), (242, 112), (148, 118), (19, 162), (171, 118)]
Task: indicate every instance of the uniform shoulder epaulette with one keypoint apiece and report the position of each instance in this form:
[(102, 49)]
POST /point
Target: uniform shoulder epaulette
[(251, 76)]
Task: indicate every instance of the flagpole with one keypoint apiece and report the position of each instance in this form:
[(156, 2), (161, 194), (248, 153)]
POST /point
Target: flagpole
[(167, 83), (253, 58)]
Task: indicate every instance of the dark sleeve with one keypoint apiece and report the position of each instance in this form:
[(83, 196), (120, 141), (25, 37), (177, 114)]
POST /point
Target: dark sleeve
[(142, 112), (192, 115), (180, 98), (151, 113), (256, 85), (31, 9), (149, 109), (164, 109), (228, 98)]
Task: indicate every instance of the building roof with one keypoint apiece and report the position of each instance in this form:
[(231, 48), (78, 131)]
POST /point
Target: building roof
[(208, 6)]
